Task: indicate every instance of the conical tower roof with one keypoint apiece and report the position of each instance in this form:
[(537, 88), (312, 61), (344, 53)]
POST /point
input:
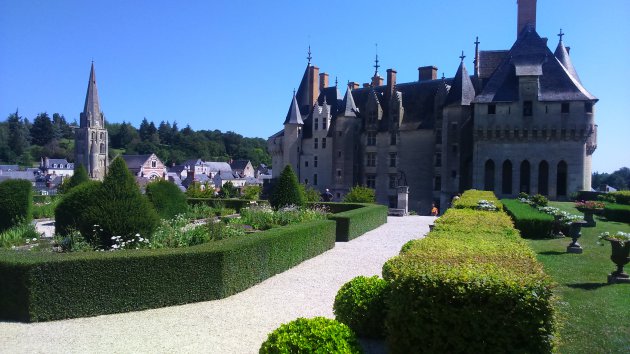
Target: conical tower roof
[(349, 107), (562, 54), (294, 116), (462, 91), (92, 104)]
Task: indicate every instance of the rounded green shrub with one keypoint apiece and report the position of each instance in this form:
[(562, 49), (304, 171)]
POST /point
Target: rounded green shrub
[(360, 304), (313, 335), (80, 176), (287, 191), (73, 213), (359, 194), (16, 203), (167, 198)]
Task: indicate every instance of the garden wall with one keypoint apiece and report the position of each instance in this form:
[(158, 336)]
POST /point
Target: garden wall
[(46, 286)]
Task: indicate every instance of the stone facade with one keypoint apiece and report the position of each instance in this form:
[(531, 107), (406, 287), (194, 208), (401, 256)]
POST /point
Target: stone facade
[(522, 121), (91, 138)]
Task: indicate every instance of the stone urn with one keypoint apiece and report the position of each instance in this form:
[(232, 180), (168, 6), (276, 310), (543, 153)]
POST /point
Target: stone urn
[(620, 256), (588, 216), (575, 232)]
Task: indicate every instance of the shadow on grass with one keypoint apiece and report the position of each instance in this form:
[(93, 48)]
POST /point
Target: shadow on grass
[(552, 253), (587, 286)]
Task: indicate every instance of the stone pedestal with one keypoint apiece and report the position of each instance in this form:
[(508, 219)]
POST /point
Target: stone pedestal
[(574, 233), (403, 198)]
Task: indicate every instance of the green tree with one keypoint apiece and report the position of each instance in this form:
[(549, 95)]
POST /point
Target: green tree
[(19, 136), (359, 194), (80, 176), (251, 192), (42, 131), (228, 190), (167, 198), (287, 190), (312, 195)]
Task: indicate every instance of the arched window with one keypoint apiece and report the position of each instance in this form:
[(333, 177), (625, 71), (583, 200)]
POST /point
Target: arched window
[(561, 179), (102, 148), (102, 136), (489, 176), (543, 178), (506, 178), (524, 180), (93, 136)]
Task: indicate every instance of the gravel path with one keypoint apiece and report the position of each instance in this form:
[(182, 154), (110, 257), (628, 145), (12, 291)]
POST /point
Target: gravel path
[(237, 324)]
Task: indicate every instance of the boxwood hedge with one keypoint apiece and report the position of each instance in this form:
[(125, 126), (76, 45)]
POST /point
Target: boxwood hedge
[(358, 220), (16, 204), (45, 286), (471, 198), (617, 212), (472, 285), (529, 221)]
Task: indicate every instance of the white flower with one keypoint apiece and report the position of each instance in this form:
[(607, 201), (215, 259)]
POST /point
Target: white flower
[(34, 238)]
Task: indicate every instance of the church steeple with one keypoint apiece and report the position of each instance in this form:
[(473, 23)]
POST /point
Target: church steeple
[(92, 108)]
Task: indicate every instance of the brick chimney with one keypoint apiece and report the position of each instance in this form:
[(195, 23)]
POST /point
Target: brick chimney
[(377, 80), (391, 81), (323, 80), (426, 73), (353, 85), (526, 15), (313, 90)]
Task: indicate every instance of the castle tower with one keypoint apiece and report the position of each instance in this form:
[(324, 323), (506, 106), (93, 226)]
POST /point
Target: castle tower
[(91, 139)]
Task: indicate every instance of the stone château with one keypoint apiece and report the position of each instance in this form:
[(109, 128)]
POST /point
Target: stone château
[(521, 122)]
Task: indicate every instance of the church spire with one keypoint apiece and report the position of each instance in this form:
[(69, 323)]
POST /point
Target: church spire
[(92, 108)]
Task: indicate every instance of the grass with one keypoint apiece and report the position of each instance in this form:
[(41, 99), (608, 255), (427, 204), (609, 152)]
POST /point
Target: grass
[(18, 235), (45, 209), (594, 315)]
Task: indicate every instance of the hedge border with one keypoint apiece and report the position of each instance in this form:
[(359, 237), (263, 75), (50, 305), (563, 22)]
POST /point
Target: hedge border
[(355, 219), (90, 284), (531, 222), (617, 212)]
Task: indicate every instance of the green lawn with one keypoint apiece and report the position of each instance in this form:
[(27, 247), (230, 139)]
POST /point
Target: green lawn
[(595, 316)]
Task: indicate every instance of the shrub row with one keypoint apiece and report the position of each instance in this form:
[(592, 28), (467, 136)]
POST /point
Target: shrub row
[(531, 222), (472, 285), (587, 195), (16, 205), (470, 199), (359, 220), (617, 212), (45, 286), (622, 197), (167, 198), (236, 204), (311, 335)]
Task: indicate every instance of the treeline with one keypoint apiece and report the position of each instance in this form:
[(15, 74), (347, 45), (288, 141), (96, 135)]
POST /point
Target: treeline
[(619, 179), (24, 142)]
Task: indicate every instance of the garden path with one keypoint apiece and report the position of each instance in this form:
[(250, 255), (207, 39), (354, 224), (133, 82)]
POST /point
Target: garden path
[(237, 324)]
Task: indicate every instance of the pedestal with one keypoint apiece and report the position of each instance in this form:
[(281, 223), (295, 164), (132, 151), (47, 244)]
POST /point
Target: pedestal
[(403, 198)]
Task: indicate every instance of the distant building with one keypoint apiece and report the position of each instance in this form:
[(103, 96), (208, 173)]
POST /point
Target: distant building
[(223, 177), (145, 166), (91, 139), (243, 167), (58, 167)]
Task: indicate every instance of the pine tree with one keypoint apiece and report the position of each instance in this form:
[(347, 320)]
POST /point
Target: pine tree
[(287, 191)]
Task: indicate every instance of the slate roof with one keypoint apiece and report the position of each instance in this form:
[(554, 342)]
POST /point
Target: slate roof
[(9, 167), (530, 56), (331, 96), (489, 61), (563, 57), (135, 161), (27, 175), (462, 92), (293, 115), (193, 162), (218, 166), (91, 97), (239, 164), (61, 164)]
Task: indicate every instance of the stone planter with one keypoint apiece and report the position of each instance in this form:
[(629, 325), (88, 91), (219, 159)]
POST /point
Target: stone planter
[(620, 256), (575, 232), (588, 216)]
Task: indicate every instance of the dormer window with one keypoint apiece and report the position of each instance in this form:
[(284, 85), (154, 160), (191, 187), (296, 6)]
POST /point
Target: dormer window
[(527, 108), (54, 165), (588, 107), (492, 109), (565, 108)]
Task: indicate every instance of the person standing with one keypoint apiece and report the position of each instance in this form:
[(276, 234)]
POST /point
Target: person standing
[(327, 196)]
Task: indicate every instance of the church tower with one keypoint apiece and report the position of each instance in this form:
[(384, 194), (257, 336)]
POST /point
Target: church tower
[(91, 141)]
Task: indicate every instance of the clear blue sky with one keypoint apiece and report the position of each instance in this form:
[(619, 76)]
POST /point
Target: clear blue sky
[(232, 64)]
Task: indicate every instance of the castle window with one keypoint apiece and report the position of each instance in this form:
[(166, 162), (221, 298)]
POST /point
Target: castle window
[(54, 165), (371, 138), (492, 109), (314, 161), (305, 180), (323, 143), (371, 116), (339, 173), (315, 179), (338, 195), (546, 109), (370, 181), (370, 159), (438, 136), (325, 123), (393, 182), (454, 149), (588, 107), (564, 108), (315, 143), (437, 183), (316, 123), (339, 153), (339, 133), (393, 157), (392, 139), (527, 108), (102, 148), (102, 136), (454, 127), (305, 163), (438, 160), (453, 174)]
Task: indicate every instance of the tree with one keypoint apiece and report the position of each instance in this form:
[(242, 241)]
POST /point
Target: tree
[(42, 131), (228, 190), (19, 137), (80, 176), (287, 191), (360, 194), (312, 195)]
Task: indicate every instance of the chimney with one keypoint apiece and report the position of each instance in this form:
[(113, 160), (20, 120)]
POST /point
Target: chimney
[(323, 81), (353, 85), (313, 90), (526, 15), (365, 85), (391, 81), (426, 73), (377, 80)]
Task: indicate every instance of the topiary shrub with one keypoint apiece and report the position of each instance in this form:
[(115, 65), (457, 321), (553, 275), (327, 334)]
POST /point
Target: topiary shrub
[(80, 176), (287, 191), (16, 203), (539, 200), (360, 194), (73, 213), (167, 198), (314, 335), (360, 304)]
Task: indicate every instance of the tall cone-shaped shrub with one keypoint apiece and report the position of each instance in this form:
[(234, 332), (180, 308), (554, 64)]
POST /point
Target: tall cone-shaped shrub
[(287, 191), (80, 176)]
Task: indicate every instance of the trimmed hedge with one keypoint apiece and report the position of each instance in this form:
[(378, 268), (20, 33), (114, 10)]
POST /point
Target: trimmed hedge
[(529, 221), (471, 198), (311, 335), (46, 286), (167, 198), (360, 304), (587, 195), (355, 222), (617, 212), (622, 197), (236, 204), (472, 285), (16, 203)]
